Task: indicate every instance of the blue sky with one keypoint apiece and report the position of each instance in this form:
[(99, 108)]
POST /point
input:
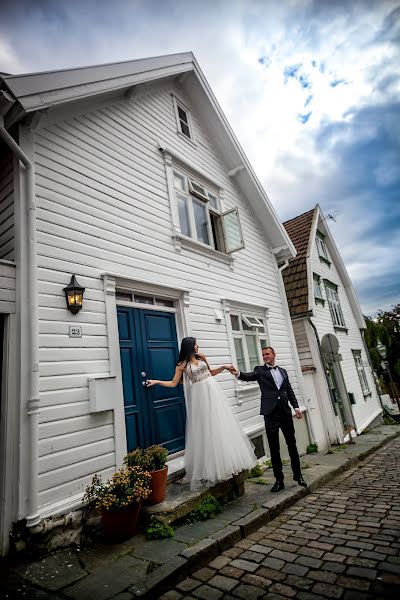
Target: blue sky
[(311, 88)]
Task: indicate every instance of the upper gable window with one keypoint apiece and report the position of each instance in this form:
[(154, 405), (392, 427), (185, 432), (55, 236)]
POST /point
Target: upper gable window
[(201, 218), (183, 119), (321, 246), (334, 304)]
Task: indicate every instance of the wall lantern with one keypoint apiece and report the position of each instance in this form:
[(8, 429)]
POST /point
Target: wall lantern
[(74, 295)]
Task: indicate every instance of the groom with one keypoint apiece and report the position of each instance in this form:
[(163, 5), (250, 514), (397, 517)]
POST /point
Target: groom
[(276, 393)]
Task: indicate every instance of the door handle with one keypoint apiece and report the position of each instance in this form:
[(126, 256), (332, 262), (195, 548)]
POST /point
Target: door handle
[(144, 383)]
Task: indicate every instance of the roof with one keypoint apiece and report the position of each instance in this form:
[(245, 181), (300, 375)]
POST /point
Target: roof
[(295, 275), (22, 95), (302, 230)]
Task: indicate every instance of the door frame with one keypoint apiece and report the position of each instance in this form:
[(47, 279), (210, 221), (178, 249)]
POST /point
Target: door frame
[(333, 357), (9, 452), (181, 299)]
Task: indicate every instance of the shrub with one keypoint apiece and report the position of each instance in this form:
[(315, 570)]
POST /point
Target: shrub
[(126, 486), (312, 448), (207, 509), (256, 471), (152, 458), (157, 530)]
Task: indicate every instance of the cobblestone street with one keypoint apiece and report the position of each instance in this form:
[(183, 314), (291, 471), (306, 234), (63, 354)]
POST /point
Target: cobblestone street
[(342, 541)]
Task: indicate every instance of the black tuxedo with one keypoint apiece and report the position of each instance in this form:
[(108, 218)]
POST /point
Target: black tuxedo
[(272, 399), (277, 415)]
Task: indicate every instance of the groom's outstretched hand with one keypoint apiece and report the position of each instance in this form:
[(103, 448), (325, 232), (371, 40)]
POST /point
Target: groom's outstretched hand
[(233, 370)]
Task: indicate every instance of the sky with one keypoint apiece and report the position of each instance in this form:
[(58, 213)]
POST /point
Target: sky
[(311, 89)]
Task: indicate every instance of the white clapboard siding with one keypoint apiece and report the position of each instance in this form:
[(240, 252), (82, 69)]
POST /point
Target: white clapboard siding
[(7, 287), (302, 345), (366, 407), (71, 456), (75, 440), (103, 206), (70, 489), (6, 205)]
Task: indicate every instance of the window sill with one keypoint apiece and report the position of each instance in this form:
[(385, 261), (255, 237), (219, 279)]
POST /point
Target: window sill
[(182, 241), (338, 328), (320, 301), (245, 389), (325, 261), (366, 394)]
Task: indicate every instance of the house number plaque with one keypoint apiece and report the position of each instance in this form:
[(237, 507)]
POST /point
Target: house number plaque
[(75, 331)]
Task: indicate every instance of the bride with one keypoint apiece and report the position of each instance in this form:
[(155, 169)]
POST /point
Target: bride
[(216, 447)]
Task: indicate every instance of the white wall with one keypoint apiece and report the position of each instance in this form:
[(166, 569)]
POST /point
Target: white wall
[(366, 408), (103, 207)]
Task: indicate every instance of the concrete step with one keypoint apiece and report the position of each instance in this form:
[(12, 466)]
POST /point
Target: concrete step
[(180, 500)]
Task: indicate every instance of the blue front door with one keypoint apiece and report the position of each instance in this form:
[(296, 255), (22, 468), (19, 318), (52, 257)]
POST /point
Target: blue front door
[(149, 350)]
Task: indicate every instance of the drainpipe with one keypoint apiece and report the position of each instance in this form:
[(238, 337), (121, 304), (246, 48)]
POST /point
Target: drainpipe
[(294, 348), (33, 517)]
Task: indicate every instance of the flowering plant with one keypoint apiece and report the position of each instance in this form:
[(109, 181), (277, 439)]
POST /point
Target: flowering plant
[(152, 458), (126, 486)]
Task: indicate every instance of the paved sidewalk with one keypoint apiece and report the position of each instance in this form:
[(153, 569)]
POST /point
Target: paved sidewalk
[(343, 542), (141, 569)]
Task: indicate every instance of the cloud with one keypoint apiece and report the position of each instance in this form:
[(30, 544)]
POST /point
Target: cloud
[(311, 89)]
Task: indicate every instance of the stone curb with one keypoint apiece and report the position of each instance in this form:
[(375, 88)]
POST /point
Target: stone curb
[(176, 569)]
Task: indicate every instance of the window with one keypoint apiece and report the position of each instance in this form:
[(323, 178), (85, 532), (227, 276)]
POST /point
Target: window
[(318, 295), (334, 305), (200, 216), (248, 339), (361, 372), (142, 299), (183, 119), (321, 246)]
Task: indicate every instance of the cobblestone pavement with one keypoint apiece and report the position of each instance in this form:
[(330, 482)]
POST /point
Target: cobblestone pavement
[(342, 541)]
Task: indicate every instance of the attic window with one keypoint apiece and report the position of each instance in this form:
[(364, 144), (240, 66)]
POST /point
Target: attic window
[(183, 119), (322, 249)]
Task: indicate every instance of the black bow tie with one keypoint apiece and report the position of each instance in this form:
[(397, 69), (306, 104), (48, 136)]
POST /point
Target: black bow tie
[(269, 367)]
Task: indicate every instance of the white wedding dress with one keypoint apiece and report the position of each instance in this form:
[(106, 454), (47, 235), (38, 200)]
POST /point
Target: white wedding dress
[(216, 447)]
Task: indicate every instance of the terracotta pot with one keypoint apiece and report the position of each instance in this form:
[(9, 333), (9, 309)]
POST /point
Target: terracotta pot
[(158, 486), (120, 524)]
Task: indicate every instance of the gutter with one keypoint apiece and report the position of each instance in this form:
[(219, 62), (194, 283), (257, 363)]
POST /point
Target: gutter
[(33, 516)]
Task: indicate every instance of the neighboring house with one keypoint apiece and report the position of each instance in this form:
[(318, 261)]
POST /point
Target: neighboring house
[(328, 325), (135, 183)]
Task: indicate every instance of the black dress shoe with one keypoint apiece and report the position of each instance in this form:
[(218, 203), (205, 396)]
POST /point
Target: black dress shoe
[(278, 486), (300, 481)]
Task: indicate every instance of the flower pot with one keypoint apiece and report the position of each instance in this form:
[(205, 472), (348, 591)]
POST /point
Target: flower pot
[(120, 524), (158, 485)]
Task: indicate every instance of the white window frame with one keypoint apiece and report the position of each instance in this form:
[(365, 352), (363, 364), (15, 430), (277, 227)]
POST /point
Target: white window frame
[(321, 247), (178, 103), (334, 305), (194, 190), (318, 285), (362, 375), (255, 332)]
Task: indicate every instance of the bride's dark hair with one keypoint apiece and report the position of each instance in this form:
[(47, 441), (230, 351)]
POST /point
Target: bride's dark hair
[(187, 350)]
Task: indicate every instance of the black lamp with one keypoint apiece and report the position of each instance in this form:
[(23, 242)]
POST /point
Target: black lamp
[(74, 295)]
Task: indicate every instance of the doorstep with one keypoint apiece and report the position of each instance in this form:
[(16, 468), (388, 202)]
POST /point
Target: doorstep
[(145, 569)]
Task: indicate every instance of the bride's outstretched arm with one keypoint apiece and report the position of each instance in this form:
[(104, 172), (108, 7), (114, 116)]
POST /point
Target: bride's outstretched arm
[(217, 370), (173, 383)]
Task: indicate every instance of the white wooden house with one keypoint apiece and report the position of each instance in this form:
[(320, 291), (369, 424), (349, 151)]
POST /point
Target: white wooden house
[(129, 177), (328, 325)]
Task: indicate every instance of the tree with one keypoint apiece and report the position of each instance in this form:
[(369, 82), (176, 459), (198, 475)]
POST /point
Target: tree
[(390, 320)]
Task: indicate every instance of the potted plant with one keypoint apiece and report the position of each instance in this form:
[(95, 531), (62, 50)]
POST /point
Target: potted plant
[(119, 500), (152, 459)]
